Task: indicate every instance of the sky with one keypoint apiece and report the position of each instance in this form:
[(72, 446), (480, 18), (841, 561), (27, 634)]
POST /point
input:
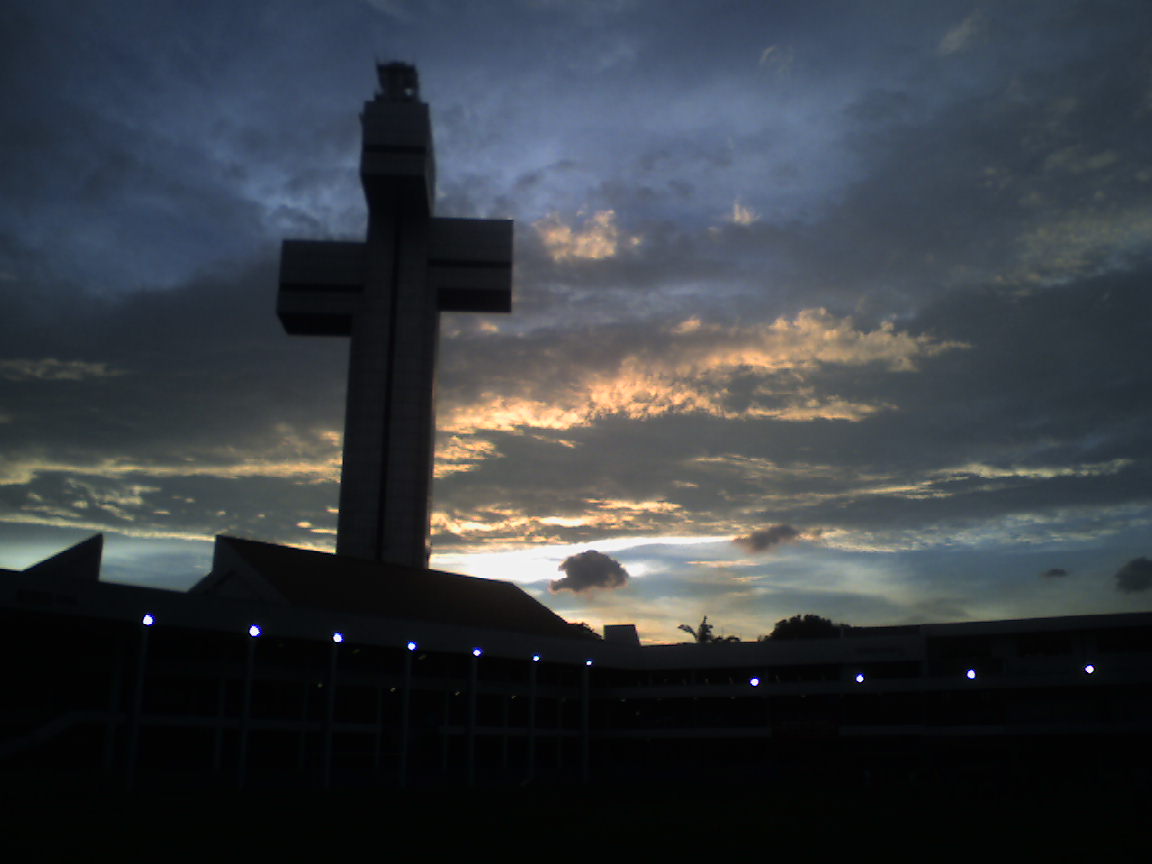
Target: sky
[(835, 308)]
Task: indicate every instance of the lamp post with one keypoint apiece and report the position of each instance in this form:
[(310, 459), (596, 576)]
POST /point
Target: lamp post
[(405, 707), (530, 773), (585, 697), (329, 714), (246, 707), (473, 676), (146, 623)]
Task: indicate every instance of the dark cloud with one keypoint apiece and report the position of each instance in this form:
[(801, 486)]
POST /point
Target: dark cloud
[(767, 538), (183, 412), (1054, 572), (1065, 427), (590, 569), (1134, 576)]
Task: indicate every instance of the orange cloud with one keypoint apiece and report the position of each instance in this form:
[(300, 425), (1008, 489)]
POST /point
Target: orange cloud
[(307, 457), (595, 236), (690, 372), (516, 525), (461, 454)]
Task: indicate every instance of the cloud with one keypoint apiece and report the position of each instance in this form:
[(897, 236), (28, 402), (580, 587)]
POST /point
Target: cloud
[(1134, 576), (742, 214), (51, 369), (587, 570), (767, 538), (1052, 451), (311, 457), (1042, 472), (396, 9), (596, 236), (732, 371), (461, 453), (962, 35), (1083, 243), (546, 518), (779, 59)]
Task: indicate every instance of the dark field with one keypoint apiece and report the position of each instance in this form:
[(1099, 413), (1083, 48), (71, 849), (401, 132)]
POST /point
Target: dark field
[(952, 823)]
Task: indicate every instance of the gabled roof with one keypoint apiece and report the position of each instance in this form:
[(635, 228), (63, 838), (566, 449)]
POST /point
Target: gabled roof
[(78, 563), (320, 580)]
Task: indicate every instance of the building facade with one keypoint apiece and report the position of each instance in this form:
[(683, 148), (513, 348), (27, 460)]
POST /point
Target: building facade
[(147, 688)]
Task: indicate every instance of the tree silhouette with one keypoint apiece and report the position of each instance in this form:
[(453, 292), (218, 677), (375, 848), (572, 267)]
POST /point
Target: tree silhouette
[(582, 629), (805, 627), (704, 633)]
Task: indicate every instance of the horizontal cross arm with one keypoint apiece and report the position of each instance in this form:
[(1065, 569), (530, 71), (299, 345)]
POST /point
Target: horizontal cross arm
[(320, 282), (470, 264)]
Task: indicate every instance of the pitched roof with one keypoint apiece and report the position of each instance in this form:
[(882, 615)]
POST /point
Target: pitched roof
[(80, 562), (321, 580)]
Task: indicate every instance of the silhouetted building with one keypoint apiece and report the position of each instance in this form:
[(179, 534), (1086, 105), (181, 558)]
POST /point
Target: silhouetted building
[(282, 576), (433, 678)]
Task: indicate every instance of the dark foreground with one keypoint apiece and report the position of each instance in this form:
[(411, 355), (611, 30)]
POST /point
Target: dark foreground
[(1060, 822)]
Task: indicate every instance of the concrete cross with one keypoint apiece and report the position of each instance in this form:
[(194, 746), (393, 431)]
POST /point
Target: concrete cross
[(387, 294)]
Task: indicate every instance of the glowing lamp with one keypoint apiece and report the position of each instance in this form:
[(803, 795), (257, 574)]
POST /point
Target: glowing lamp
[(337, 638), (147, 620), (411, 646), (1089, 669), (476, 652), (971, 674), (535, 658), (755, 682), (859, 677), (254, 631), (587, 662)]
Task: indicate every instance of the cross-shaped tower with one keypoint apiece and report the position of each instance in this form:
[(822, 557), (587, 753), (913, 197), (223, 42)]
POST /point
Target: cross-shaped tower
[(387, 294)]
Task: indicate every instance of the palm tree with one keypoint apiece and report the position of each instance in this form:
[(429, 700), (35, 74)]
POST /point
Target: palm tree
[(703, 633)]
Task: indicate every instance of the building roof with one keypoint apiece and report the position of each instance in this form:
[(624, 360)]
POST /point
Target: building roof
[(320, 580), (80, 562)]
